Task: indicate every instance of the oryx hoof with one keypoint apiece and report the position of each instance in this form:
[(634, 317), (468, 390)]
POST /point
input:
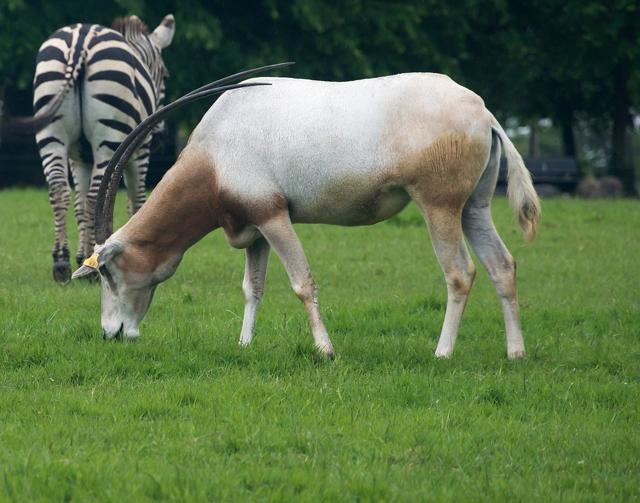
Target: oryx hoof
[(443, 354), (326, 352), (62, 272), (516, 354)]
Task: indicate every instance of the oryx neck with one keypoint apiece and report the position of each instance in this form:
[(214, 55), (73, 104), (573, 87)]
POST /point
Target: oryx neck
[(181, 210)]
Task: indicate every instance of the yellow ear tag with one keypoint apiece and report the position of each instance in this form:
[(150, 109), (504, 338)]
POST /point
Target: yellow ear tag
[(92, 261)]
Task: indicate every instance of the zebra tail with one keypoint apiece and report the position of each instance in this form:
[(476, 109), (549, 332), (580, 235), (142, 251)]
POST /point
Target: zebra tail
[(48, 114)]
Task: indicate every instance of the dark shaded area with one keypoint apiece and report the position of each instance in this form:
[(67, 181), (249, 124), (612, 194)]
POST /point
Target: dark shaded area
[(572, 61), (20, 162)]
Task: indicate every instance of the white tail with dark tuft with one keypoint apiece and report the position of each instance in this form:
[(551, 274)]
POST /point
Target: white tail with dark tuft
[(522, 196)]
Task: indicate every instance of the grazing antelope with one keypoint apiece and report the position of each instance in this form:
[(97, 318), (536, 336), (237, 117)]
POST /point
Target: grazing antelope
[(302, 151), (95, 83)]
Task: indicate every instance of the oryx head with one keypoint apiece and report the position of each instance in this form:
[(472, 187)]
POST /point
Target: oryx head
[(128, 271), (127, 290)]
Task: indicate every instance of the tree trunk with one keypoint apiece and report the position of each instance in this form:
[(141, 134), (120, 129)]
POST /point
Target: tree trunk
[(533, 140), (621, 163), (1, 112), (569, 137)]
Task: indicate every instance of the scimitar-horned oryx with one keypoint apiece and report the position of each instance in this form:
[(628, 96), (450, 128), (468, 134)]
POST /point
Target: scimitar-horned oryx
[(302, 151)]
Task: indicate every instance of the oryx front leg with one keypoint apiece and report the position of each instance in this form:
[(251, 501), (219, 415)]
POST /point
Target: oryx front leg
[(255, 270), (282, 237)]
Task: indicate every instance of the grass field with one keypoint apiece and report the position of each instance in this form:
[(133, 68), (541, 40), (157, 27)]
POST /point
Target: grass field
[(185, 414)]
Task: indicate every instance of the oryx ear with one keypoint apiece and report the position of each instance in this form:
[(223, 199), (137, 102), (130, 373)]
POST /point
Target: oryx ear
[(107, 253), (163, 34)]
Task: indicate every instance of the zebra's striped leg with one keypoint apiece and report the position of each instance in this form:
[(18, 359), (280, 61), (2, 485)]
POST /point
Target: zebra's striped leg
[(82, 179), (135, 176), (54, 161), (101, 158)]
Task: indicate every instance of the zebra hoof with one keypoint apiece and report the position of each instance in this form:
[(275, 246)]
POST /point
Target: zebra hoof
[(62, 272)]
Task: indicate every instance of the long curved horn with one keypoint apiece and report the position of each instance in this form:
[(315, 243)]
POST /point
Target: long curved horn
[(240, 75), (111, 179)]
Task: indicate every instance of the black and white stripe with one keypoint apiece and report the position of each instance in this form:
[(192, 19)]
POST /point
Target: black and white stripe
[(96, 84)]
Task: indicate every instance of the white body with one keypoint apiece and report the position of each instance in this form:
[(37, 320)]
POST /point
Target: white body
[(333, 148), (347, 153)]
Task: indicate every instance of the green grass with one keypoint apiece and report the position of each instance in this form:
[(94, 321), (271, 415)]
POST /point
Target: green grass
[(185, 414)]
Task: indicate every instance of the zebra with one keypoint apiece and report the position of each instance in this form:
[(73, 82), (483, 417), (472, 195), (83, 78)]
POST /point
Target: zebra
[(92, 86)]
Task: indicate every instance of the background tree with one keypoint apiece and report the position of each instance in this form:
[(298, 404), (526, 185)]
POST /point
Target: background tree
[(563, 60), (571, 61)]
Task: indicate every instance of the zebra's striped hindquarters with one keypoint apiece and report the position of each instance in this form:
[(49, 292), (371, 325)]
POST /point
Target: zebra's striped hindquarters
[(95, 84)]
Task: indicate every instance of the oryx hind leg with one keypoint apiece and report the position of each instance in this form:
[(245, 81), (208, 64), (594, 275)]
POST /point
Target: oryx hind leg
[(446, 236), (446, 178), (482, 235)]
